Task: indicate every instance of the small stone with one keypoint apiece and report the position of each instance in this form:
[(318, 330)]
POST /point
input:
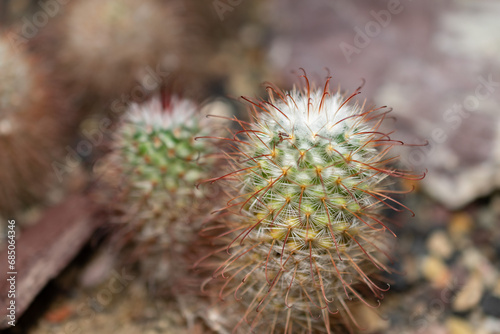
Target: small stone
[(491, 305), (59, 314), (496, 289), (470, 295), (471, 258), (436, 271), (460, 225), (98, 270), (458, 326), (439, 245), (491, 325), (486, 218), (163, 324), (474, 260), (434, 329), (370, 320)]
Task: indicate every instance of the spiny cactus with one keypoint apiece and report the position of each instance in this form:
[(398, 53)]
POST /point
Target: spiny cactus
[(156, 164), (108, 46), (310, 175), (30, 130)]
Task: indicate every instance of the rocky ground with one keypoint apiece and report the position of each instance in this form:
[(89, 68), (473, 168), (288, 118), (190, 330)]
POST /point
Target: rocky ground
[(449, 283)]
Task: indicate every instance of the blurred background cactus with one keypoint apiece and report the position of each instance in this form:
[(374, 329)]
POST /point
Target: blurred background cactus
[(151, 174), (34, 127), (107, 45)]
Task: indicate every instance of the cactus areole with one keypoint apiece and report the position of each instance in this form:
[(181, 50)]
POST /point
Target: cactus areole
[(310, 174)]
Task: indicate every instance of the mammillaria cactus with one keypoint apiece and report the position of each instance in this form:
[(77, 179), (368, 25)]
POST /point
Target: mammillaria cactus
[(310, 174), (31, 130), (109, 46), (155, 165)]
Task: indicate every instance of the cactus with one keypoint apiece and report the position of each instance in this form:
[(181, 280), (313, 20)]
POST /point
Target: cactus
[(107, 46), (31, 133), (155, 165), (311, 173)]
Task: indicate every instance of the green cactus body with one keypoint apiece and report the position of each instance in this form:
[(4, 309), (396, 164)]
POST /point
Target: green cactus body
[(311, 174), (157, 164), (162, 152)]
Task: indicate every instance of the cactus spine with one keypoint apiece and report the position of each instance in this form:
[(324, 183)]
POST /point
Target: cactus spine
[(311, 175)]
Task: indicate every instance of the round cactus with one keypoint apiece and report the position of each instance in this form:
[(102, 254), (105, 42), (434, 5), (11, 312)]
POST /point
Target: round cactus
[(31, 133), (311, 175), (108, 46), (156, 164)]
